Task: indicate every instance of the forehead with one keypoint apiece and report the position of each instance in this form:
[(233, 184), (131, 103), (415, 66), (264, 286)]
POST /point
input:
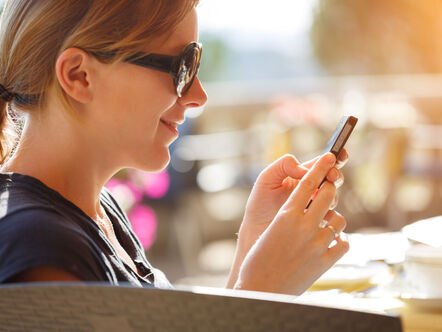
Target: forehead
[(186, 31)]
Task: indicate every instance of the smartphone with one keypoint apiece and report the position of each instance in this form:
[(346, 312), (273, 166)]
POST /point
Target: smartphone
[(341, 135), (339, 138)]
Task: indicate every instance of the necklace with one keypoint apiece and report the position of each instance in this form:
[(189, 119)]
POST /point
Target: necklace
[(105, 225)]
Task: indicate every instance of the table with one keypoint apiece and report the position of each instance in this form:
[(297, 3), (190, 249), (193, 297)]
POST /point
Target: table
[(414, 319), (380, 286)]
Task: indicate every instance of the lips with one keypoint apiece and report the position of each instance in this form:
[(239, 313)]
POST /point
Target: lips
[(170, 123)]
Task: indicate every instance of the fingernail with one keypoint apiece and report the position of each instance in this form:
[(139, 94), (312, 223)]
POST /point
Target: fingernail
[(334, 204), (341, 163), (339, 182)]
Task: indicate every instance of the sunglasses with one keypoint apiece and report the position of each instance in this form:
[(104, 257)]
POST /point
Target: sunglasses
[(183, 68)]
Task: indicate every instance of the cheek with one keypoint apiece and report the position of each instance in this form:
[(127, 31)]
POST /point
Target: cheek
[(132, 101), (147, 99)]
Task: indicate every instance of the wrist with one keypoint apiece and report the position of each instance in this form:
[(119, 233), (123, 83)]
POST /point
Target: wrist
[(251, 231), (255, 282), (246, 239)]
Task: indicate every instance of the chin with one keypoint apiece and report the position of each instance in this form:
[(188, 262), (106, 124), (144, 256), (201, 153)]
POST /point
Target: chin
[(155, 163)]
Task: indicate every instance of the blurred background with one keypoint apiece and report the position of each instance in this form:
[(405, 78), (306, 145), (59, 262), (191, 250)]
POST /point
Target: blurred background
[(279, 75)]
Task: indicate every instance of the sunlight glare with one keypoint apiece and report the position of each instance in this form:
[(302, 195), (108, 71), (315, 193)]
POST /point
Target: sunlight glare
[(278, 16)]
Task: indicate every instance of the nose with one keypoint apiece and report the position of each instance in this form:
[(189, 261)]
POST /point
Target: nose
[(196, 96)]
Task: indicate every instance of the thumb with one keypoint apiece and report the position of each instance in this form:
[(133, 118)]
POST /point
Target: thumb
[(280, 169)]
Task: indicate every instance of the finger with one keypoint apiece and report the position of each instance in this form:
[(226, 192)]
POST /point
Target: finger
[(336, 177), (290, 183), (335, 225), (334, 253), (280, 169), (339, 182), (342, 159), (343, 155), (310, 182), (321, 203), (335, 202), (310, 163)]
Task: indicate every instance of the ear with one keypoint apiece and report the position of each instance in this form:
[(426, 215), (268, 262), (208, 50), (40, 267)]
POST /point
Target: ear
[(74, 68)]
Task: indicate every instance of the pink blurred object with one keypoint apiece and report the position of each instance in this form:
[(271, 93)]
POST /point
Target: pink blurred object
[(125, 193), (144, 224), (136, 191), (113, 183), (156, 184)]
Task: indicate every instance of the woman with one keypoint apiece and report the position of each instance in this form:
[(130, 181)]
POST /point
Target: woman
[(103, 85)]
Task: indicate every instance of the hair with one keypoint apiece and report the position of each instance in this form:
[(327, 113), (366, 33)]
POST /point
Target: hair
[(33, 33)]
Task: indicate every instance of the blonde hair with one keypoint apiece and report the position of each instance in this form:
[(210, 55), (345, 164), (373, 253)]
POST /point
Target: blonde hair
[(33, 33)]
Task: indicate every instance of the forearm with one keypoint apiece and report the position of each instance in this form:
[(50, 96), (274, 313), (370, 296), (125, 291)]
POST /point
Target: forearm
[(245, 241)]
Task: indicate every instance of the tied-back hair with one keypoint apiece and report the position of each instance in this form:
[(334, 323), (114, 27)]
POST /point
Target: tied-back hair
[(33, 33)]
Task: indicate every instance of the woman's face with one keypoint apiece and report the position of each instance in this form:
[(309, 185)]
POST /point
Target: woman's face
[(134, 103)]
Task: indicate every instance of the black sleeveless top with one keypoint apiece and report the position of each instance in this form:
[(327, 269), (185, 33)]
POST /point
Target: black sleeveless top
[(39, 227)]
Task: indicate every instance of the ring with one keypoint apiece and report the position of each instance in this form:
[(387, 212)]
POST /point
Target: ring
[(323, 223), (335, 234)]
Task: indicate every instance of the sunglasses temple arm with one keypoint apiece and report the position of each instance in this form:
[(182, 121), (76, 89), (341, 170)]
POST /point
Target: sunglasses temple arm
[(166, 63)]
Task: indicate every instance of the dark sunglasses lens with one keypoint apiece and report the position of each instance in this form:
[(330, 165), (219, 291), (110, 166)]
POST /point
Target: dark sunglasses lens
[(189, 68)]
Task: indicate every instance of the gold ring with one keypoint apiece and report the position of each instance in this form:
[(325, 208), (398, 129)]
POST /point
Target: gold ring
[(323, 223), (335, 234)]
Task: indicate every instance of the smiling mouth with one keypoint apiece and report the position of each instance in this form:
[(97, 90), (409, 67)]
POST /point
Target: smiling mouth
[(174, 125)]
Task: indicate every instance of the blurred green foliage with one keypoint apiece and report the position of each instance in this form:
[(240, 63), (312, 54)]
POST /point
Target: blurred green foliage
[(378, 36), (214, 57)]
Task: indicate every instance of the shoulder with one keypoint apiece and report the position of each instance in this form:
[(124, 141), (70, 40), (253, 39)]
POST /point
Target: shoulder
[(39, 238), (33, 221), (21, 192), (28, 216), (39, 230)]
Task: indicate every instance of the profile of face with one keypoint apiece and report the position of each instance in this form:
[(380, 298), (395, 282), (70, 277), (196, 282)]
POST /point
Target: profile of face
[(132, 112)]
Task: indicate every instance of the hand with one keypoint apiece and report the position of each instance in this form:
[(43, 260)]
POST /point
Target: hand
[(334, 175), (275, 184), (271, 190), (293, 251)]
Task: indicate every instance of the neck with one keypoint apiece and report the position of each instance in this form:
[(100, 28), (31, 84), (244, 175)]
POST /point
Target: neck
[(63, 159)]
